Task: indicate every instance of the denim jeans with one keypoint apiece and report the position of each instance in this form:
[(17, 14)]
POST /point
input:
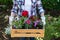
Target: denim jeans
[(25, 38), (32, 38)]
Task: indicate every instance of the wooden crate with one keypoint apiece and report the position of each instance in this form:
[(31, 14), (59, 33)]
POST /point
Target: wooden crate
[(27, 33)]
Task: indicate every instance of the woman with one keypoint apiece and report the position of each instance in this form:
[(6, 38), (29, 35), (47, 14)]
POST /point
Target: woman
[(28, 5)]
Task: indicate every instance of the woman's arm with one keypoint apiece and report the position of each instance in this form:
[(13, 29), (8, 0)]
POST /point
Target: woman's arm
[(41, 11), (13, 11), (40, 7), (14, 8)]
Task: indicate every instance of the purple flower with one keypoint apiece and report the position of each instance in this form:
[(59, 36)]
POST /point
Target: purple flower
[(36, 23)]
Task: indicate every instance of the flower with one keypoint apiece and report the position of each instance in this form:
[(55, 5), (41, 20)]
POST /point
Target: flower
[(25, 13), (36, 22), (28, 21), (32, 18)]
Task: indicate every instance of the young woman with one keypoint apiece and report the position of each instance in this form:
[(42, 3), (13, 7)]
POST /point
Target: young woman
[(26, 5)]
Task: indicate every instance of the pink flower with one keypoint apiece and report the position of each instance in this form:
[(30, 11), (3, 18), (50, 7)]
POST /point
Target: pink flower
[(28, 21)]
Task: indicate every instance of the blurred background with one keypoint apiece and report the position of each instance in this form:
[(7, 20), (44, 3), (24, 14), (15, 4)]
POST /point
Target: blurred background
[(52, 13)]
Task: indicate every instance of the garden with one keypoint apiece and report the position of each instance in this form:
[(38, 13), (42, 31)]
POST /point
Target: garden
[(52, 14)]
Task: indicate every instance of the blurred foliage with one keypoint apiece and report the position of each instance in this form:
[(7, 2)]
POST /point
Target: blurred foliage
[(51, 4), (52, 27), (6, 2)]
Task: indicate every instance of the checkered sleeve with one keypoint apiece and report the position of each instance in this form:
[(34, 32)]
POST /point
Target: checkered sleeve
[(40, 8), (15, 6)]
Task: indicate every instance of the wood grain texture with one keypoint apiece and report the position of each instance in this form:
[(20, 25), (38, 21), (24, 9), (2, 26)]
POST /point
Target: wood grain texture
[(27, 33)]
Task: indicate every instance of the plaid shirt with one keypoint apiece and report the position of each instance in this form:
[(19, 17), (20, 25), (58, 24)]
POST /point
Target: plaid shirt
[(18, 6)]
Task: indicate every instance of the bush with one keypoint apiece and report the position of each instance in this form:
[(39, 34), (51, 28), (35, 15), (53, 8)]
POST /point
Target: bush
[(51, 4), (5, 2), (52, 27)]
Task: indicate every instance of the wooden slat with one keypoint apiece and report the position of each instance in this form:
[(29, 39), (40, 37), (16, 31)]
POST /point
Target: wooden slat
[(27, 33)]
